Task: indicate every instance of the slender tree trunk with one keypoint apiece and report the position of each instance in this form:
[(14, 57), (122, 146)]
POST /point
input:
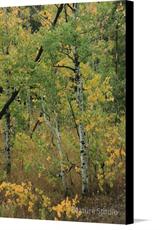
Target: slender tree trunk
[(82, 137), (29, 108), (116, 68), (61, 154), (7, 148), (56, 132), (6, 112), (7, 142), (116, 51)]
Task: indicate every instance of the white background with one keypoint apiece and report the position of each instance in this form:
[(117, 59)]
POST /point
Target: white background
[(147, 125)]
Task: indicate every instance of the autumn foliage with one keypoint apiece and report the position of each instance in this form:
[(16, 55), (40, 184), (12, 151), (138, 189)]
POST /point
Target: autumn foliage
[(62, 110)]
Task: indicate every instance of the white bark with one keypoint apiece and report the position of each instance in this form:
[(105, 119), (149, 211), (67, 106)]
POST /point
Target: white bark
[(56, 132), (80, 102), (61, 154), (82, 139)]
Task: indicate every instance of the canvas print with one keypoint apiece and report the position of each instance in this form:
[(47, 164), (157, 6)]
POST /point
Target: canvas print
[(62, 112)]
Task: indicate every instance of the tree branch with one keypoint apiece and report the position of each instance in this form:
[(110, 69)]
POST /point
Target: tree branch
[(8, 103), (40, 51), (65, 11), (67, 54), (59, 10), (36, 125), (64, 66), (70, 7)]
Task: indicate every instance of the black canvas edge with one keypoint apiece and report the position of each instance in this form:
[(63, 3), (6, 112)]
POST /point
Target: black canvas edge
[(129, 113)]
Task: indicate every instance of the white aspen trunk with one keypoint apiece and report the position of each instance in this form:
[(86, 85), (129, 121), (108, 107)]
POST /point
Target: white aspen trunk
[(82, 138), (61, 154), (56, 132)]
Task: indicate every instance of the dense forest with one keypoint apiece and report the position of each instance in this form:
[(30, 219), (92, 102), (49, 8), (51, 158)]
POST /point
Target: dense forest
[(62, 112)]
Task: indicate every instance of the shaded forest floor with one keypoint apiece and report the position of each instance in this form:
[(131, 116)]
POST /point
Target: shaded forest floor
[(103, 209)]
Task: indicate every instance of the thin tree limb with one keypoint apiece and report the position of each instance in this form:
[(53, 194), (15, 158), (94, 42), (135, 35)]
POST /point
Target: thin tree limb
[(66, 15), (70, 7), (59, 10), (40, 51), (64, 66), (67, 54), (36, 125), (8, 103)]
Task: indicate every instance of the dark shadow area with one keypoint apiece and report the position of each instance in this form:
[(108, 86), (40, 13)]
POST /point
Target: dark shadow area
[(139, 220)]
